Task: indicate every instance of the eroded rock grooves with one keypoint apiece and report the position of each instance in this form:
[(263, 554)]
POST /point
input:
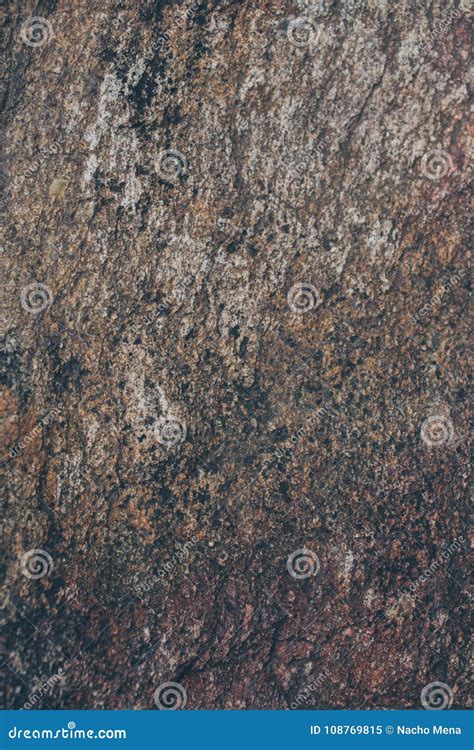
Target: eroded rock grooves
[(236, 383)]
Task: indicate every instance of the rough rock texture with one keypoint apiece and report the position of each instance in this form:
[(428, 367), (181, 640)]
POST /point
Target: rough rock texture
[(180, 417)]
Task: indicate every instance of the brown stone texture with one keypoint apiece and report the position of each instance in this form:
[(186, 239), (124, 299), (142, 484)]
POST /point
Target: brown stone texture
[(180, 417)]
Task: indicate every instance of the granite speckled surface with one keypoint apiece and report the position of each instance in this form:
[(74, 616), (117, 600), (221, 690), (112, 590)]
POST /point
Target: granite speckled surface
[(236, 324)]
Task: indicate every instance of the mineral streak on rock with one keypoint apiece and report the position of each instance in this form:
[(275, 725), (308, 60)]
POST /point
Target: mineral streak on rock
[(236, 320)]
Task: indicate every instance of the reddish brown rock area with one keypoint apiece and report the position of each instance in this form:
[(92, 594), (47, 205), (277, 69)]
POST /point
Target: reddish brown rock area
[(235, 382)]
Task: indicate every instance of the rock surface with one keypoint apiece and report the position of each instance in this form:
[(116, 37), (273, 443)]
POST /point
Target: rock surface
[(236, 320)]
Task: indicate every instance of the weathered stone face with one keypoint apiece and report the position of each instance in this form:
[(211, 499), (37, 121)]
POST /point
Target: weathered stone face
[(235, 343)]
